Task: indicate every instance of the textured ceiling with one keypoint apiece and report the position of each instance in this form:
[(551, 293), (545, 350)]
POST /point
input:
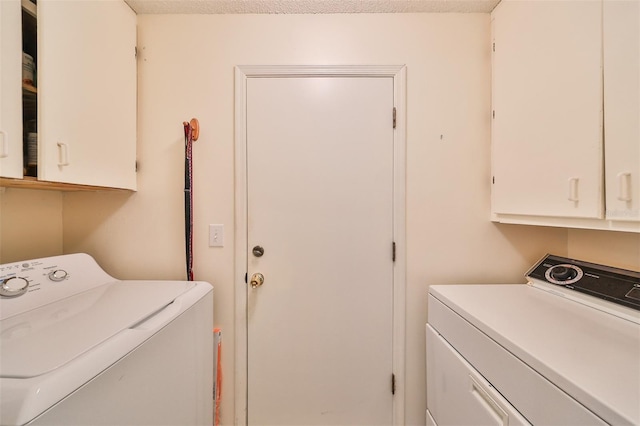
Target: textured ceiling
[(311, 6)]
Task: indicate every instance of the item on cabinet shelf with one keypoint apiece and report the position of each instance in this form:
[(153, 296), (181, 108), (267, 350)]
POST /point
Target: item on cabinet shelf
[(28, 69), (32, 154), (31, 126), (191, 134)]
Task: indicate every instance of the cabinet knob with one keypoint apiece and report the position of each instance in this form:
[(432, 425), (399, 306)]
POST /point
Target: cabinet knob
[(573, 189), (624, 186), (5, 144), (63, 154)]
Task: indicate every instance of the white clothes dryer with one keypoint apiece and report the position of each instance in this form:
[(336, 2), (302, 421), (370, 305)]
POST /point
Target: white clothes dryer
[(79, 347), (562, 350)]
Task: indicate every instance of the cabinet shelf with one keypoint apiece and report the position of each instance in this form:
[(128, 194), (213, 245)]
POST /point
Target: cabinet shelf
[(30, 7), (33, 183), (28, 88)]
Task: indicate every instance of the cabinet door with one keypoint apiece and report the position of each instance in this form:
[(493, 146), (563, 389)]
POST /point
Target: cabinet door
[(547, 101), (87, 92), (10, 89), (622, 108)]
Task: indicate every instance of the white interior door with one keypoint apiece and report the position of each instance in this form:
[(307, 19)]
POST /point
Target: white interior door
[(320, 181)]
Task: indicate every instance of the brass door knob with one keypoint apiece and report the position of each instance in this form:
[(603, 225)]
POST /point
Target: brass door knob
[(257, 280)]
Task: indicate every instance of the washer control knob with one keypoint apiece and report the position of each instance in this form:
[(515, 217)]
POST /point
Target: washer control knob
[(58, 275), (14, 286)]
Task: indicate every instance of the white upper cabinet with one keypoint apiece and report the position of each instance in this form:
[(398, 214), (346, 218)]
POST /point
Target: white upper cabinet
[(622, 108), (566, 98), (87, 93), (83, 111), (10, 89), (547, 102)]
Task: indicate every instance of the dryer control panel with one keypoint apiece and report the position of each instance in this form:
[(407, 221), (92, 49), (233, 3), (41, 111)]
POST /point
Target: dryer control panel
[(619, 286), (33, 283)]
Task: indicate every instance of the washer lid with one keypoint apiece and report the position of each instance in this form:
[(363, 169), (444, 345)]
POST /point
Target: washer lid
[(46, 338)]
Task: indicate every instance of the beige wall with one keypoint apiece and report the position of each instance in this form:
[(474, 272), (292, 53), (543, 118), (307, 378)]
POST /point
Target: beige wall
[(186, 70), (30, 224), (620, 249)]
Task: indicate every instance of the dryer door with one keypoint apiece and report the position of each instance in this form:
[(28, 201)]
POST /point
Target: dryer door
[(457, 394)]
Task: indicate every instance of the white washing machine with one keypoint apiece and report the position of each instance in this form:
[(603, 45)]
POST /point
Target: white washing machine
[(562, 350), (78, 347)]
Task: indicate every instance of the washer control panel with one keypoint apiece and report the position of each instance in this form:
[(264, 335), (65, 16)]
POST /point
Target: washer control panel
[(615, 285), (29, 284), (19, 278)]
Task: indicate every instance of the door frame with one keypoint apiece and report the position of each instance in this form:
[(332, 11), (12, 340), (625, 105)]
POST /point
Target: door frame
[(399, 75)]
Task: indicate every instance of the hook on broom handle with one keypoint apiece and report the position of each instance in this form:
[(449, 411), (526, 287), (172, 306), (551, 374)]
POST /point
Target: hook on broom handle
[(194, 125)]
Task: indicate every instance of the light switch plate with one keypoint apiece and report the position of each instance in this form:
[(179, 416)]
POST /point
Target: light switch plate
[(216, 235)]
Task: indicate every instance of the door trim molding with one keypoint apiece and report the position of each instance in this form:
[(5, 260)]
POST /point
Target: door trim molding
[(399, 75)]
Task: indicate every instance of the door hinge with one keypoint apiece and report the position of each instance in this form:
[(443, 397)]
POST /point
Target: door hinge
[(393, 384), (494, 46), (135, 51), (493, 114), (246, 277), (393, 251), (493, 179), (394, 117)]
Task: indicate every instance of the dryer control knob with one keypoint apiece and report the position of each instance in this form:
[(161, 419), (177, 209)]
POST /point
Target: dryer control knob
[(14, 286), (563, 274), (58, 275)]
